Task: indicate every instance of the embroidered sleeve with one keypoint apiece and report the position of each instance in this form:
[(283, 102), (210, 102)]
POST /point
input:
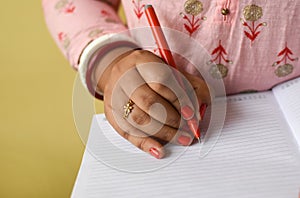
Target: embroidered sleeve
[(75, 23), (81, 27)]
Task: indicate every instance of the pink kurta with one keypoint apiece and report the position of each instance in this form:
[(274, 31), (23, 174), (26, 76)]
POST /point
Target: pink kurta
[(254, 43)]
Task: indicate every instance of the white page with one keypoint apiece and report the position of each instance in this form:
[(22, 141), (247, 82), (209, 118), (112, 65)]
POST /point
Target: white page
[(288, 97), (255, 157)]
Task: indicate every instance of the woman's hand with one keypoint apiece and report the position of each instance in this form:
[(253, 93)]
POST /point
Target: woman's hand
[(156, 99)]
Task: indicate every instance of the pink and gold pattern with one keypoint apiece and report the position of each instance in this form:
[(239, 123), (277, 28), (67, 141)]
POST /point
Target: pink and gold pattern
[(192, 8), (286, 68), (252, 13), (219, 70), (65, 6)]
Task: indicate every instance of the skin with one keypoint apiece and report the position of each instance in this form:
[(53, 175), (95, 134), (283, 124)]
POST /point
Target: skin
[(155, 117)]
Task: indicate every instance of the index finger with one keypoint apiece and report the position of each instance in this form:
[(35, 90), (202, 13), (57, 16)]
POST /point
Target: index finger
[(161, 78)]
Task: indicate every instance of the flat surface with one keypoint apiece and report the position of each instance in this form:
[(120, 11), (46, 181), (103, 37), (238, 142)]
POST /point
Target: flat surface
[(256, 155)]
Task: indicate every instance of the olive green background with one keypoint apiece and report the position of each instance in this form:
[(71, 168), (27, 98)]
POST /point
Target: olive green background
[(40, 149)]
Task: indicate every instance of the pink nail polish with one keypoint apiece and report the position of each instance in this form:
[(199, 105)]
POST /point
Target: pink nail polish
[(154, 152), (187, 112), (184, 140)]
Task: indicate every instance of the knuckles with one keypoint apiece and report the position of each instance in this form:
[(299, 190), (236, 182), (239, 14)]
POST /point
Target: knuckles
[(140, 119), (149, 100), (174, 122)]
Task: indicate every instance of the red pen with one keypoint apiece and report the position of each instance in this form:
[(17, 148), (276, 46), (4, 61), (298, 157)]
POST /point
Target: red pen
[(166, 55)]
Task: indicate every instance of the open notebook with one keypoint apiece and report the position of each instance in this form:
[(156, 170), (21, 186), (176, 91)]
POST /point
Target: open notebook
[(256, 155)]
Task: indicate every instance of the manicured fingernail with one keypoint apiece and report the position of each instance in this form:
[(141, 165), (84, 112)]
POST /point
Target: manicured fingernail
[(184, 140), (187, 112), (154, 152), (194, 127), (203, 110)]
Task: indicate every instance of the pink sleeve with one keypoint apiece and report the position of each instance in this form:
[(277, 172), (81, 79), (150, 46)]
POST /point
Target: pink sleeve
[(74, 24)]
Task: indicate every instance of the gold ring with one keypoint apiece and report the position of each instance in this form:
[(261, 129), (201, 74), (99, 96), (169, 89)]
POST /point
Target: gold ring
[(128, 108)]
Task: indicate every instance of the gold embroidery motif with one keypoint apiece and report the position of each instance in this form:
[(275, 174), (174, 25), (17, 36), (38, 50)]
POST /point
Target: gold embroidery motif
[(285, 56), (193, 7), (108, 20), (61, 4), (95, 33), (252, 12), (284, 70), (66, 43), (218, 71)]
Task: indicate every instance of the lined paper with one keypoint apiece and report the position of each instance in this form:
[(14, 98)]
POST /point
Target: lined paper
[(254, 156), (288, 97)]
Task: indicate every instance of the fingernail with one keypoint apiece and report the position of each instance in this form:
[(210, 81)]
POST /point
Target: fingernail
[(187, 112), (194, 127), (154, 152), (184, 140), (203, 110)]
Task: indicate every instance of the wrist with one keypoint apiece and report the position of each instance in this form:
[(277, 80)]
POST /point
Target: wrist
[(100, 61), (94, 52), (102, 71)]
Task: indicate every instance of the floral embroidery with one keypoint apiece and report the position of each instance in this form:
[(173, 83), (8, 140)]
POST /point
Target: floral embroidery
[(138, 8), (107, 17), (252, 13), (286, 68), (219, 70), (193, 8), (64, 40), (65, 6)]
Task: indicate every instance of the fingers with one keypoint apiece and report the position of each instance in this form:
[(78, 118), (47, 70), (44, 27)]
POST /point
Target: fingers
[(138, 119), (199, 87), (159, 100), (147, 144), (170, 85), (152, 127), (149, 101)]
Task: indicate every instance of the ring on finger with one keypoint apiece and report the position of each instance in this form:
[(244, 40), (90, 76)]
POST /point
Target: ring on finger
[(128, 108)]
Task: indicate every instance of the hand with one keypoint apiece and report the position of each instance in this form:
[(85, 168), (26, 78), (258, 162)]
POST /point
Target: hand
[(142, 77)]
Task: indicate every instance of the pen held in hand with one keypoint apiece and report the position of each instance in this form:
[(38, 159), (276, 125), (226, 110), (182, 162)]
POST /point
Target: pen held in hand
[(166, 55)]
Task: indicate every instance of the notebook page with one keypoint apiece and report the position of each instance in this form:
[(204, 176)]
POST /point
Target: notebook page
[(254, 157), (288, 97)]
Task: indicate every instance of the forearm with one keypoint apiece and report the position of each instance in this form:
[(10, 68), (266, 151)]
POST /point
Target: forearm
[(81, 28)]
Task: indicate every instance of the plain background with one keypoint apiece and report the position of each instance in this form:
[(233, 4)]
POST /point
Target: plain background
[(40, 149)]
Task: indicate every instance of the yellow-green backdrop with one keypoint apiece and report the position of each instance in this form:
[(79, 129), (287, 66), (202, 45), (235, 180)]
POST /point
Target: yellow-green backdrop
[(40, 150)]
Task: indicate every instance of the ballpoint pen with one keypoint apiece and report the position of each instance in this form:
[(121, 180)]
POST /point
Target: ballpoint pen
[(166, 55)]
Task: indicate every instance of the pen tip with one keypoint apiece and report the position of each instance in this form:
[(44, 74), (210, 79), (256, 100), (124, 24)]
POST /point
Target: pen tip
[(198, 138)]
